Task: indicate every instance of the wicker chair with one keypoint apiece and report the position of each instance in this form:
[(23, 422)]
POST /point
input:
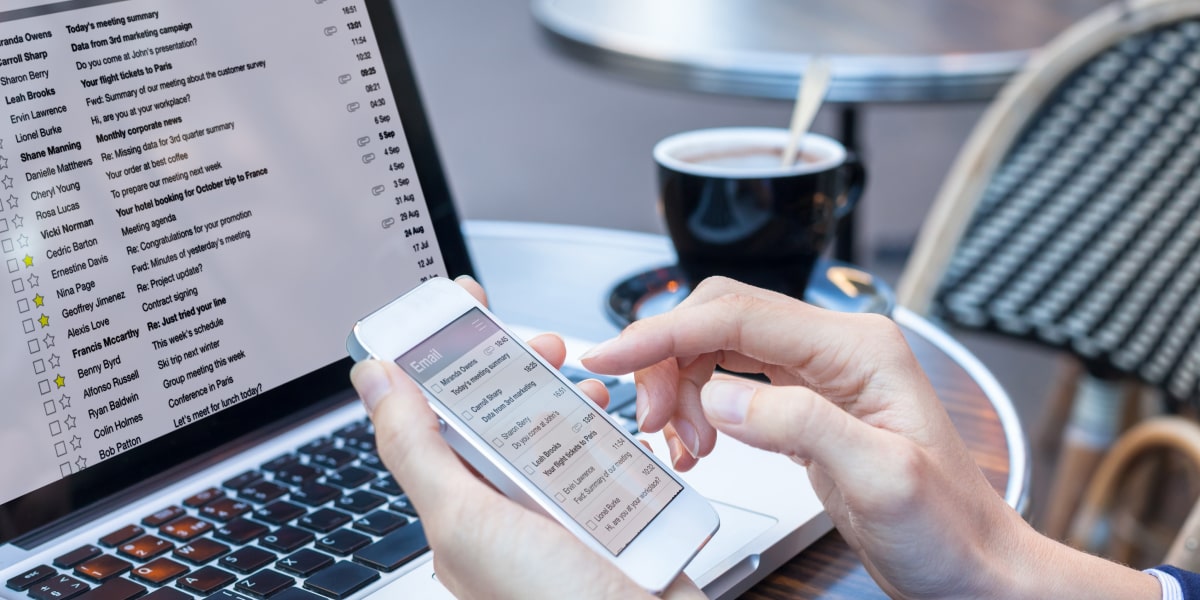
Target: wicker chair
[(1071, 219)]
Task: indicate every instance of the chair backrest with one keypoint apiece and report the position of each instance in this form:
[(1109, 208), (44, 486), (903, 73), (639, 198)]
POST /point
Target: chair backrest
[(1072, 215)]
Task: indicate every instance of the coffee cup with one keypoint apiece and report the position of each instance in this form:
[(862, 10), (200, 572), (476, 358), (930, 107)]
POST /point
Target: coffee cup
[(732, 208)]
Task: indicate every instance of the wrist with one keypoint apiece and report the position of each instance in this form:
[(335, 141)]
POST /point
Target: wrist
[(1035, 566)]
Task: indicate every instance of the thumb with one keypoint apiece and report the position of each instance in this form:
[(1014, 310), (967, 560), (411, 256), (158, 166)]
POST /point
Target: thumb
[(409, 437), (794, 421)]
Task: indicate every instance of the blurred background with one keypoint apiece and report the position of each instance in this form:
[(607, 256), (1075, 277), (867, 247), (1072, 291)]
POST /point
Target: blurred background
[(527, 134)]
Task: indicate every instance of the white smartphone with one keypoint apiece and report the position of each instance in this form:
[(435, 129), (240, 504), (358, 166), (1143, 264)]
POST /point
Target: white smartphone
[(535, 436)]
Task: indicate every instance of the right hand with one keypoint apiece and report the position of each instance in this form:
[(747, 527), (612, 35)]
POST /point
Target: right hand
[(848, 400)]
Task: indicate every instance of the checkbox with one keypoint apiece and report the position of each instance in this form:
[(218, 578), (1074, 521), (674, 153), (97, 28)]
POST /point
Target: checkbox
[(3, 225), (39, 366), (18, 285), (467, 415), (13, 265), (437, 388), (65, 469), (23, 306), (28, 325), (60, 449), (7, 245), (50, 406), (528, 470), (561, 498), (34, 346), (55, 428), (497, 443), (591, 524), (44, 387)]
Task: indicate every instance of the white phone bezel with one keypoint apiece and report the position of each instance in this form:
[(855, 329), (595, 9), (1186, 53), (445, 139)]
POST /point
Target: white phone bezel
[(653, 558)]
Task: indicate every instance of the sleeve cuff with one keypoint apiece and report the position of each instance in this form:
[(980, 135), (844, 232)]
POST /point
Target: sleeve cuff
[(1171, 590)]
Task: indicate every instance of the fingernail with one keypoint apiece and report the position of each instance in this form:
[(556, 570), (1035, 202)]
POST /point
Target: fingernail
[(597, 350), (465, 278), (687, 434), (372, 383), (727, 401), (676, 451), (643, 404)]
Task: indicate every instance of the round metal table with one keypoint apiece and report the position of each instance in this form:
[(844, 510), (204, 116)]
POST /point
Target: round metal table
[(557, 277), (879, 50)]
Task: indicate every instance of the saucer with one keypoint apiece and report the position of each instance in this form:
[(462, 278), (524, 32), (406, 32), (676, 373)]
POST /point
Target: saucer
[(834, 285)]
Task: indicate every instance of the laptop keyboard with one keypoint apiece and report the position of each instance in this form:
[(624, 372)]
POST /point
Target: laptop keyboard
[(323, 521)]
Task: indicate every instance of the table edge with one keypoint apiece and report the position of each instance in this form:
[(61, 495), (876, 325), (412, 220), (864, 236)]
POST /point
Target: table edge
[(1016, 492)]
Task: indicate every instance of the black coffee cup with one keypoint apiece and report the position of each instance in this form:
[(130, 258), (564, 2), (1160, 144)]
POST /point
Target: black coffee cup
[(732, 209)]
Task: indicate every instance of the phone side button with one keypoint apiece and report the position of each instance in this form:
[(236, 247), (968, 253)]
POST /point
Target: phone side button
[(441, 425)]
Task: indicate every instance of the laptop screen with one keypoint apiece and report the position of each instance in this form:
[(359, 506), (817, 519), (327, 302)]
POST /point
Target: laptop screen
[(197, 200)]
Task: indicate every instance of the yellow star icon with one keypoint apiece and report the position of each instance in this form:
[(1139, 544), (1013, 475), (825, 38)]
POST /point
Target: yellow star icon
[(28, 261), (60, 381), (38, 300), (45, 321)]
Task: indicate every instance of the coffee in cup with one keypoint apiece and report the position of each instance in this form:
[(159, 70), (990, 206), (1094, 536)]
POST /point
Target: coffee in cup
[(732, 208)]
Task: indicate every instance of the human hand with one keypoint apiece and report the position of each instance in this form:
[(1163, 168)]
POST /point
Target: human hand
[(484, 545), (848, 400)]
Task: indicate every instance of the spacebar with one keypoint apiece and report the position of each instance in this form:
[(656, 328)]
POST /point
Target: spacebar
[(395, 548)]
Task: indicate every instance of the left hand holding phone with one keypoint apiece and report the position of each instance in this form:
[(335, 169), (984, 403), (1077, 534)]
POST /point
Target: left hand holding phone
[(485, 545)]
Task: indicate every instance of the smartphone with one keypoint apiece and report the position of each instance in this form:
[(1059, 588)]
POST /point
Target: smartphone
[(535, 436)]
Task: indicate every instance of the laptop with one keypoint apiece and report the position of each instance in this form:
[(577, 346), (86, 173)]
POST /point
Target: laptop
[(197, 201)]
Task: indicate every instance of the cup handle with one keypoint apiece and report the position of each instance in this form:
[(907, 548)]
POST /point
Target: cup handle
[(856, 177)]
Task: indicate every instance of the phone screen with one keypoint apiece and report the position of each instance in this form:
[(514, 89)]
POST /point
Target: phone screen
[(561, 444)]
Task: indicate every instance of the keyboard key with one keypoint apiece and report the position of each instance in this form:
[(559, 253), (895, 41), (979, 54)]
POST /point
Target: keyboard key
[(240, 481), (363, 442), (186, 528), (76, 556), (387, 485), (352, 429), (205, 580), (146, 548), (350, 477), (360, 502), (114, 589), (286, 539), (159, 571), (317, 445), (404, 507), (200, 551), (380, 522), (394, 549), (167, 594), (280, 462), (622, 396), (342, 542), (264, 583), (121, 535), (295, 593), (333, 458), (278, 513), (103, 567), (315, 494), (297, 474), (203, 498), (262, 491), (304, 562), (163, 516), (324, 520), (227, 595), (372, 460), (240, 531), (247, 560), (26, 580), (341, 579), (225, 509), (59, 587)]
